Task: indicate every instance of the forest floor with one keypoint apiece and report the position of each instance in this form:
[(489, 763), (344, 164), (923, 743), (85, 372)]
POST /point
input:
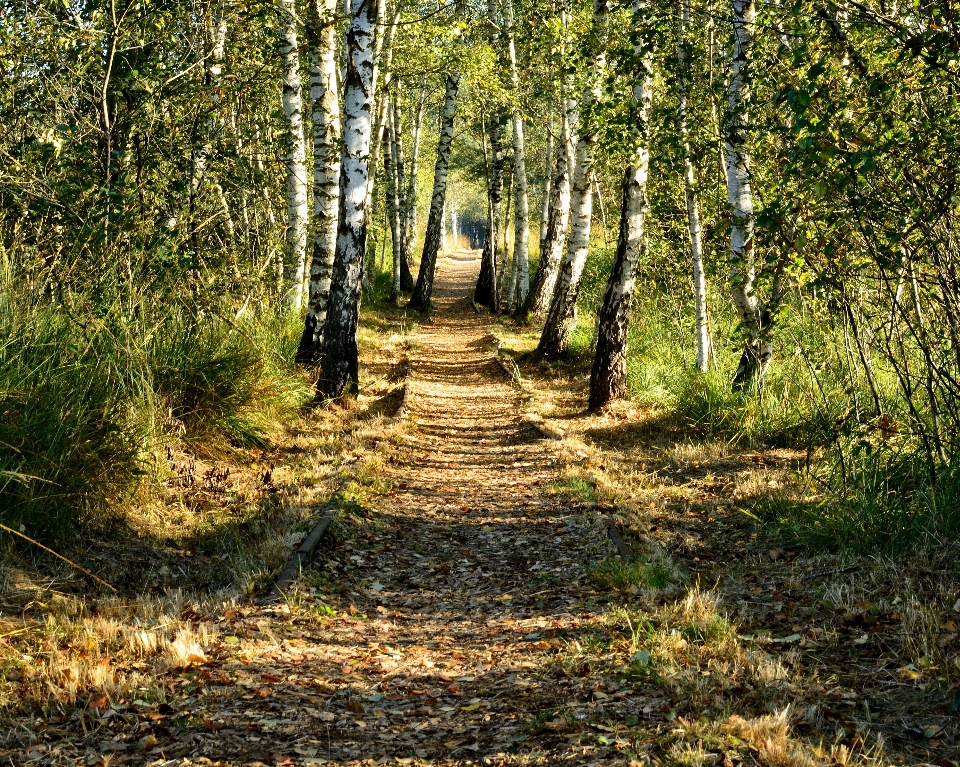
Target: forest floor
[(472, 609)]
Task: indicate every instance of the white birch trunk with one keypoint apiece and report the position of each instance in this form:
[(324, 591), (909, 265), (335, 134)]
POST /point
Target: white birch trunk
[(295, 256), (325, 113), (757, 352), (554, 245), (420, 299), (393, 196), (213, 71), (608, 375), (694, 228), (410, 204), (562, 316), (521, 216), (339, 364), (545, 193)]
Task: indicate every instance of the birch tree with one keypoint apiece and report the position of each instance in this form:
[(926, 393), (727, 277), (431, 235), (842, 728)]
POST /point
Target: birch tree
[(758, 348), (410, 196), (392, 162), (562, 316), (213, 75), (295, 158), (694, 228), (339, 363), (554, 242), (521, 242), (420, 300), (608, 376), (321, 37)]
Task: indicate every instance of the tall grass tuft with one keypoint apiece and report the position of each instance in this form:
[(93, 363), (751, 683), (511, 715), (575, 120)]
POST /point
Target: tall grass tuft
[(87, 391)]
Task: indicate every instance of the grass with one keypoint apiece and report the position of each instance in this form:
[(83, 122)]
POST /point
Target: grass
[(626, 576), (85, 405)]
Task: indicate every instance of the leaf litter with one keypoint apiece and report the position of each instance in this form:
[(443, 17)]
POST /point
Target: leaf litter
[(456, 619)]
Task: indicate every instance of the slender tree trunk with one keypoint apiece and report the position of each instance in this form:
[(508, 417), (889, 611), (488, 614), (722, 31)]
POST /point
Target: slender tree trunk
[(545, 193), (554, 244), (758, 348), (487, 291), (702, 330), (521, 218), (608, 377), (339, 363), (321, 37), (383, 53), (295, 256), (213, 75), (420, 300), (410, 226), (392, 159), (562, 316)]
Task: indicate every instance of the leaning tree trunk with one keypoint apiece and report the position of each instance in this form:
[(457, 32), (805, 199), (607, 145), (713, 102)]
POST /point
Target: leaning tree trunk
[(562, 317), (420, 300), (521, 205), (321, 37), (758, 349), (339, 363), (295, 255), (410, 202), (608, 377), (694, 228), (553, 245)]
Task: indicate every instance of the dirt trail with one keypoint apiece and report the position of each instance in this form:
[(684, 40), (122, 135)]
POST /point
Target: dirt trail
[(469, 571)]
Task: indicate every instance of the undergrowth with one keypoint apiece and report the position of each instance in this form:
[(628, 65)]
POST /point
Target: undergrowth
[(89, 392)]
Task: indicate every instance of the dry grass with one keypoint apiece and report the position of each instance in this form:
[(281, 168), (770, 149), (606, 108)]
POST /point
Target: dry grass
[(187, 555), (750, 626)]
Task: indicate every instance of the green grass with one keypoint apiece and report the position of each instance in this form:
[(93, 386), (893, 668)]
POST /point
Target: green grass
[(88, 392), (623, 576), (575, 487)]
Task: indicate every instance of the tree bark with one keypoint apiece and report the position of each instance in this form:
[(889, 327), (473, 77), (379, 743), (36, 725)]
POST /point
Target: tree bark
[(553, 246), (420, 300), (487, 291), (410, 204), (321, 39), (608, 377), (694, 228), (295, 255), (753, 315), (339, 363), (213, 75), (521, 217), (562, 317), (393, 165), (546, 191)]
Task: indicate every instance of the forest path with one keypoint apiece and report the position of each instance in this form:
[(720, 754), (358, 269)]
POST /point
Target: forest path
[(443, 649)]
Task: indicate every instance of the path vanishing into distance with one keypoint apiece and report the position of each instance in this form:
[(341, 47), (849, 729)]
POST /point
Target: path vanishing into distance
[(469, 568), (441, 647)]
